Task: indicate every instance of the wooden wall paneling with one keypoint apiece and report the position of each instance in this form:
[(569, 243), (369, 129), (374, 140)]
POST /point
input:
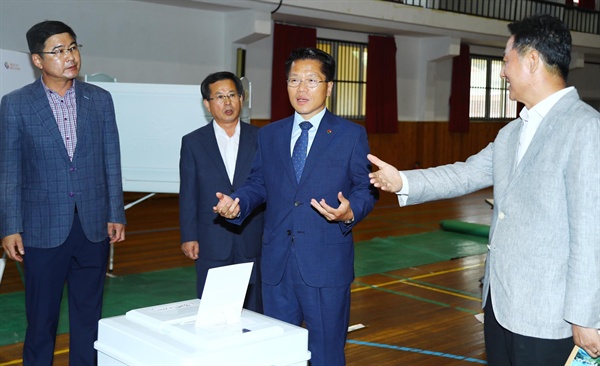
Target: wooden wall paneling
[(427, 144)]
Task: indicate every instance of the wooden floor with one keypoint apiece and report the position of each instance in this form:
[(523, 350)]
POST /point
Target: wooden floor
[(416, 316)]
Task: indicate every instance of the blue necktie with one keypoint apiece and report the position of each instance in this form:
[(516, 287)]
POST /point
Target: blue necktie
[(300, 149)]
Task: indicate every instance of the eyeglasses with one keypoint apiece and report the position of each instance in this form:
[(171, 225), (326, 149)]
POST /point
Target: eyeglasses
[(311, 83), (63, 51), (221, 97)]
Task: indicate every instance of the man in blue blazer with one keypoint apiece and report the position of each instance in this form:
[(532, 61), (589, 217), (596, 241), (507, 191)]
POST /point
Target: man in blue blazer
[(541, 290), (218, 158), (61, 197), (308, 250)]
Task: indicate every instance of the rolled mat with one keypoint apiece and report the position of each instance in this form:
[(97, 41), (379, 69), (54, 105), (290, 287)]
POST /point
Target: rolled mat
[(465, 228)]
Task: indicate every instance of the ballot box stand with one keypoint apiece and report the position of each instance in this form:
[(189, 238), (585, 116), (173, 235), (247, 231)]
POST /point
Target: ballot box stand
[(168, 335)]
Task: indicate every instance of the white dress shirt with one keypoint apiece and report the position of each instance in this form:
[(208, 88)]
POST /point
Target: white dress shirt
[(228, 147), (533, 117), (296, 130)]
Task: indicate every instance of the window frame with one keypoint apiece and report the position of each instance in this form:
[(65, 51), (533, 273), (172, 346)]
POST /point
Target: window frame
[(350, 79), (505, 108)]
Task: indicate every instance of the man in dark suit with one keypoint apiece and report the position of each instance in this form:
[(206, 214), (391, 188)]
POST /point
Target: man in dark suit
[(218, 158), (61, 197), (308, 250)]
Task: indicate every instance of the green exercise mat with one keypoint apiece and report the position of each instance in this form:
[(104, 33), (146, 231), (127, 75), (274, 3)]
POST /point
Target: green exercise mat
[(465, 228)]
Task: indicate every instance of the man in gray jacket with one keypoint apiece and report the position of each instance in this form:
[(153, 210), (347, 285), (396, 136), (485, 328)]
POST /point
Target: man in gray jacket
[(541, 288)]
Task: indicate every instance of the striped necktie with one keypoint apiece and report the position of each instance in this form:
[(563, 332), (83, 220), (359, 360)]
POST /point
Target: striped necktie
[(300, 150)]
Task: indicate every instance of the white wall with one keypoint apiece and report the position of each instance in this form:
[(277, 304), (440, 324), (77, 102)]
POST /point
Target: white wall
[(259, 58), (407, 66), (142, 42), (130, 40), (586, 81), (139, 42)]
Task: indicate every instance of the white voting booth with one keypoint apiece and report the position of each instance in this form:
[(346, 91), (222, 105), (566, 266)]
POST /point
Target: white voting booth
[(213, 331)]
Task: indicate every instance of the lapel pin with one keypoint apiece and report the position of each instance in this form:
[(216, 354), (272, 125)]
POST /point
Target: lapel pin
[(328, 131)]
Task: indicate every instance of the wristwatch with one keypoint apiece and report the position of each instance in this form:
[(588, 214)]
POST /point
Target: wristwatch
[(348, 222)]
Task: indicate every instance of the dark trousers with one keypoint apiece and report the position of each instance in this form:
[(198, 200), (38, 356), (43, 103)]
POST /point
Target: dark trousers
[(82, 264), (505, 348), (324, 310), (253, 300)]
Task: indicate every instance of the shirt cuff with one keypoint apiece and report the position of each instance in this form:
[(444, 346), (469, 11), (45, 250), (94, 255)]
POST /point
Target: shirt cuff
[(403, 193)]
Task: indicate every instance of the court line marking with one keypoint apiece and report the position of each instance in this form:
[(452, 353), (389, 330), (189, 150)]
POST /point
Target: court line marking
[(438, 288), (417, 350), (411, 282), (417, 277), (20, 360), (407, 281), (451, 293), (414, 297)]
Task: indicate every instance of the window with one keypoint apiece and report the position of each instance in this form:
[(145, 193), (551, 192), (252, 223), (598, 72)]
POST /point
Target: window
[(348, 98), (489, 92)]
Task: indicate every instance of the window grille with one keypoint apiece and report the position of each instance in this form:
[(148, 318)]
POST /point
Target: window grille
[(489, 92), (348, 98)]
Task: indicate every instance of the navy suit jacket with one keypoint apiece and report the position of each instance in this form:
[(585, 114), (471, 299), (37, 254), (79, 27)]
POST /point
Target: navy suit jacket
[(337, 161), (40, 185), (202, 174)]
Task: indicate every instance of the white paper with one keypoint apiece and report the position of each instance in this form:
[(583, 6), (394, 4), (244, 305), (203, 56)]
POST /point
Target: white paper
[(223, 295), (354, 327), (2, 265), (479, 317)]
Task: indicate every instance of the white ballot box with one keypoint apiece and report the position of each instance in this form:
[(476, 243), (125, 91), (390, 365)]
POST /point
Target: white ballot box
[(168, 335)]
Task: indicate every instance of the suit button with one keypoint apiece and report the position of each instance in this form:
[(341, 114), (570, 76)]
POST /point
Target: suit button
[(289, 232), (71, 194), (501, 215), (232, 190), (296, 203), (72, 169)]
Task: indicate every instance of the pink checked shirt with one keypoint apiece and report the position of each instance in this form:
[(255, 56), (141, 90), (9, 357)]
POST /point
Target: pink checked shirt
[(65, 113)]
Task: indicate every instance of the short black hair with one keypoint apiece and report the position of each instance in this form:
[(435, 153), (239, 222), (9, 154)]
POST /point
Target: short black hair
[(327, 62), (547, 35), (218, 76), (39, 34)]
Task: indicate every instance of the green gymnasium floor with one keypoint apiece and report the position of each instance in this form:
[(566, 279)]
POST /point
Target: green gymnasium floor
[(124, 293)]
